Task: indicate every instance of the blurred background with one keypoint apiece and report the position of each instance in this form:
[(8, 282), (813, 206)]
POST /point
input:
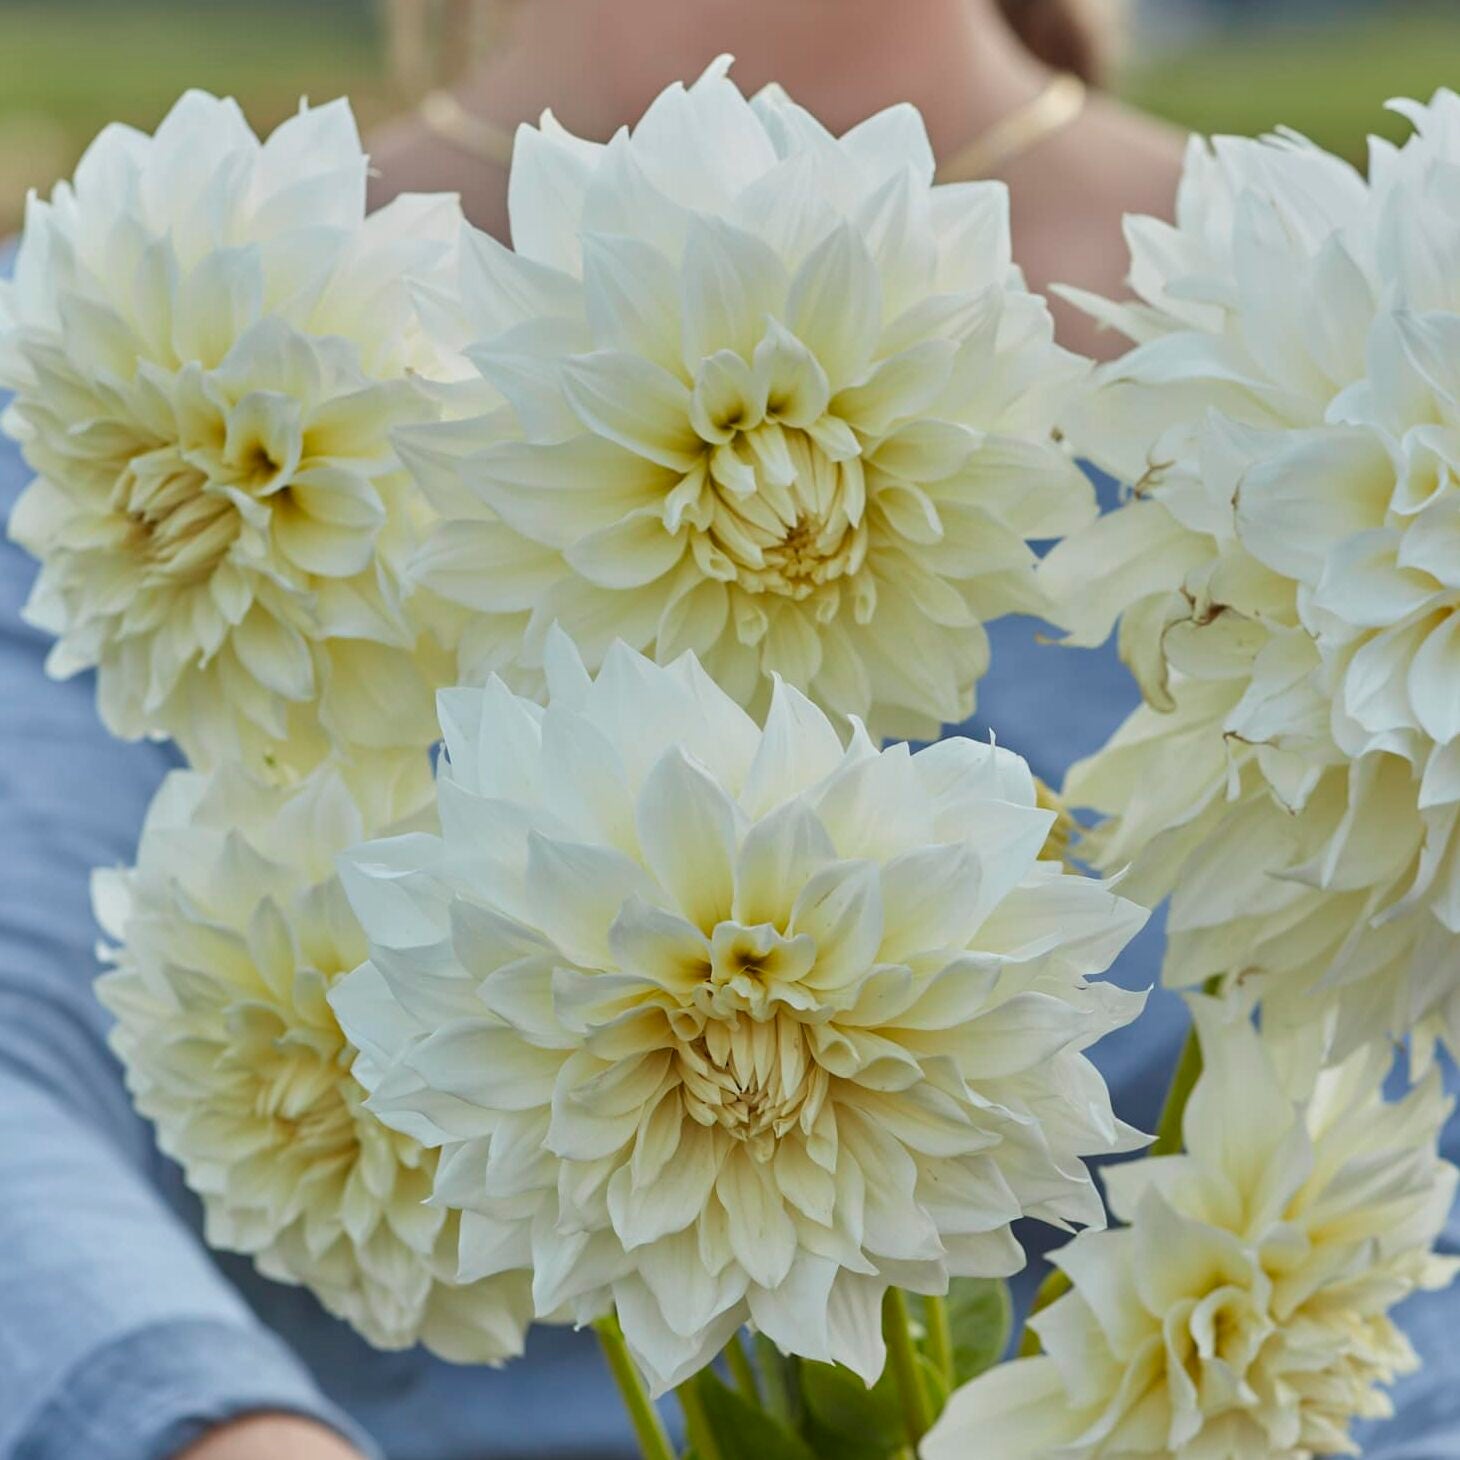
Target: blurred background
[(69, 66)]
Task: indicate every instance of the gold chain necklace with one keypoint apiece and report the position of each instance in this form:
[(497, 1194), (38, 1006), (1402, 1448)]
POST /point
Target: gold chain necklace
[(1021, 131), (445, 116)]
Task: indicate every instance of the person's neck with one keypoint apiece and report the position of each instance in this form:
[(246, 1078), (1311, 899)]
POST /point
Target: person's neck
[(598, 63)]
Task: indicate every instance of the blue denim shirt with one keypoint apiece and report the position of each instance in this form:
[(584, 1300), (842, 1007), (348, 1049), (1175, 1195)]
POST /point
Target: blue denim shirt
[(122, 1337)]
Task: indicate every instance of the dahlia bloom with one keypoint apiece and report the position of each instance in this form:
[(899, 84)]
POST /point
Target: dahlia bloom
[(722, 1024), (209, 344), (1242, 1314), (1286, 417), (226, 937), (770, 397)]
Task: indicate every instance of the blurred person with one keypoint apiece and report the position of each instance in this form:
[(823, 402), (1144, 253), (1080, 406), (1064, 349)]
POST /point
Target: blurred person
[(123, 1337), (1008, 89)]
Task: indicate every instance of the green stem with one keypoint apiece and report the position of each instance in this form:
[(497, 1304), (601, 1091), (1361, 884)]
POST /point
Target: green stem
[(648, 1427), (1168, 1140), (741, 1370), (697, 1422), (902, 1354), (940, 1338), (774, 1369)]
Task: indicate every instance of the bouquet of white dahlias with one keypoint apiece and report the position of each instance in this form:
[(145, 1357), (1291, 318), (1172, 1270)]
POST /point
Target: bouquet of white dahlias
[(1284, 578), (687, 1002)]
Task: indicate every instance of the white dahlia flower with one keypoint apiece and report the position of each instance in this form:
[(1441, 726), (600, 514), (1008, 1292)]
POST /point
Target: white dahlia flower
[(727, 1024), (772, 398), (1242, 1314), (1289, 418), (228, 934), (209, 344)]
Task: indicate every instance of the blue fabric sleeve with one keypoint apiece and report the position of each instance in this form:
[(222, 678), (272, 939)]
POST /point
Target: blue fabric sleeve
[(119, 1337)]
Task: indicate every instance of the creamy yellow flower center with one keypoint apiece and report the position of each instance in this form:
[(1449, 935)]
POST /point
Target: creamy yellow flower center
[(786, 518), (179, 501), (292, 1078), (179, 527), (754, 1078), (742, 1046)]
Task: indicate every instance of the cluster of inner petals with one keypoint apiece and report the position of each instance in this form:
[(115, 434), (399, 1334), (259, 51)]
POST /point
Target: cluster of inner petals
[(300, 1091), (776, 498), (174, 522), (781, 515), (754, 1078), (744, 1052), (178, 501), (1222, 1336)]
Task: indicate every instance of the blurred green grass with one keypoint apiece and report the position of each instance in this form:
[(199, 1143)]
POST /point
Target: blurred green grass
[(1328, 79), (67, 67)]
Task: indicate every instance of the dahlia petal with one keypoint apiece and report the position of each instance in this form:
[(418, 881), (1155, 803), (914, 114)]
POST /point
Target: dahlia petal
[(481, 1063), (594, 880), (730, 282), (634, 402), (524, 365), (1430, 541), (895, 388), (688, 829), (1020, 1409), (854, 1323), (761, 1235), (778, 854), (1433, 690), (631, 295), (891, 140), (630, 553), (689, 1297), (216, 303), (506, 287), (550, 176), (795, 1314), (705, 141), (798, 748), (663, 1355), (693, 620), (539, 489), (727, 398), (971, 222), (840, 906), (653, 944), (834, 305), (1290, 525), (643, 1217), (275, 654), (485, 566), (797, 390)]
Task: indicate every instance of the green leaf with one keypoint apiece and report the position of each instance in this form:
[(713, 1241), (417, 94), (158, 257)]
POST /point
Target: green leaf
[(848, 1421), (981, 1315), (744, 1432), (843, 1406), (837, 1447)]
